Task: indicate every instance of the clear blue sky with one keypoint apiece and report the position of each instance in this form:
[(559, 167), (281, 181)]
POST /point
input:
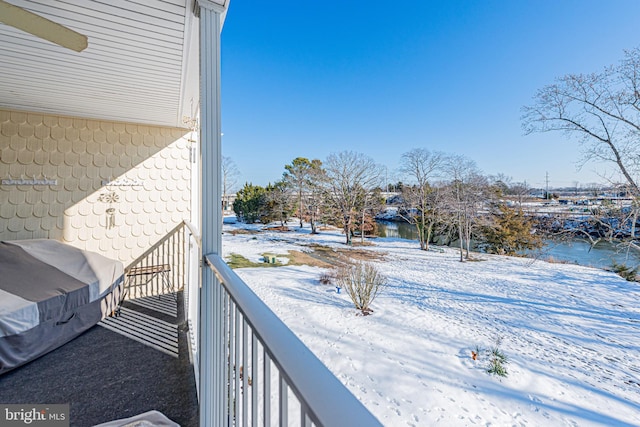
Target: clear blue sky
[(307, 78)]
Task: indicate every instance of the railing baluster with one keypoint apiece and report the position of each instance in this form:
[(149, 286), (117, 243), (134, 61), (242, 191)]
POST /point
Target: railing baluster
[(175, 260), (221, 353), (266, 399), (216, 352), (154, 261), (145, 287), (237, 364), (181, 259), (151, 261), (162, 260), (283, 400), (175, 256), (245, 372), (226, 336), (254, 379), (305, 421), (172, 262), (232, 367), (169, 260)]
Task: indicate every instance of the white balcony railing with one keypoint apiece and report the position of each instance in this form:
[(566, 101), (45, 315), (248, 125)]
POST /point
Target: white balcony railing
[(267, 361), (262, 374)]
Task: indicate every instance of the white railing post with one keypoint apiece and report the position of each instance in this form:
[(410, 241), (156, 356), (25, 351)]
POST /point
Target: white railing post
[(192, 300), (213, 411)]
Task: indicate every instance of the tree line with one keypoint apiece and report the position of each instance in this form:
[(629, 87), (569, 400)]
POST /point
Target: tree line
[(443, 195)]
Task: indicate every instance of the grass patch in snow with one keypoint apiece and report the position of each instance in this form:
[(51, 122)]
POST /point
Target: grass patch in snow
[(238, 261), (305, 258), (236, 231), (294, 258), (320, 256), (343, 256)]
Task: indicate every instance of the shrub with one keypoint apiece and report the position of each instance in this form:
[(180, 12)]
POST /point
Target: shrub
[(626, 272), (510, 232), (497, 360), (326, 278), (363, 282)]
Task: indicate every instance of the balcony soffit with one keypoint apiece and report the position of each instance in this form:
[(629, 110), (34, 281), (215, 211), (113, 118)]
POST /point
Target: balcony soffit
[(141, 64)]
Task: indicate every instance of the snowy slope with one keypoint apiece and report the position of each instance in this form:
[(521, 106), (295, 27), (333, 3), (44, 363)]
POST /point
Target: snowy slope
[(572, 334)]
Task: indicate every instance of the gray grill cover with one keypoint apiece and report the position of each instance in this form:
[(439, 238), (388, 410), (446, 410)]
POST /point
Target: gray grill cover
[(49, 293)]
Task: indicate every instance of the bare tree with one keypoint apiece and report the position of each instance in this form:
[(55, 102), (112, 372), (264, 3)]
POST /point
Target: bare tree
[(576, 186), (601, 109), (278, 201), (500, 183), (421, 166), (466, 196), (368, 203), (347, 175), (519, 190), (230, 175)]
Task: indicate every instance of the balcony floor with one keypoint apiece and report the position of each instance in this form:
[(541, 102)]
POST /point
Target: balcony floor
[(105, 375)]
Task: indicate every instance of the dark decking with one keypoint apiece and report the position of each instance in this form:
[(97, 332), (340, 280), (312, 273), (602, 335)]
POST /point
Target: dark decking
[(105, 375)]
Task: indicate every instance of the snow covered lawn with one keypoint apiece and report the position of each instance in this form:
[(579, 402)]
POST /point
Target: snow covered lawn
[(571, 334)]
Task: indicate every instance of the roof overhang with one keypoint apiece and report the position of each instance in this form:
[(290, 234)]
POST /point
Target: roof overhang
[(141, 63)]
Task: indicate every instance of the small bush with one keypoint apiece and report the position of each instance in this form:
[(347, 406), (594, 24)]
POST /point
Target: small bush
[(626, 272), (497, 360), (326, 278), (552, 260), (363, 282)]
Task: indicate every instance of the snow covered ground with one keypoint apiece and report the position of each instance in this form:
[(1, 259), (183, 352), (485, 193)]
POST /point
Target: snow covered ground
[(571, 334)]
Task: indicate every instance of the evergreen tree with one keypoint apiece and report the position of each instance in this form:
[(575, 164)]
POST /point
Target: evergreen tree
[(298, 177), (510, 232), (250, 203)]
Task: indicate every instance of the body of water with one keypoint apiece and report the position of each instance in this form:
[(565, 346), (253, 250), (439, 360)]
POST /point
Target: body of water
[(577, 251)]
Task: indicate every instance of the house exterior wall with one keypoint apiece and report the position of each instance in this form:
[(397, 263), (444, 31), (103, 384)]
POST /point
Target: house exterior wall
[(109, 187)]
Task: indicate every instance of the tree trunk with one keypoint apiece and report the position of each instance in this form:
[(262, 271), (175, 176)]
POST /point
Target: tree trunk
[(634, 219), (313, 223), (424, 244), (314, 220), (427, 236), (468, 242), (461, 239), (300, 207), (420, 229), (347, 228)]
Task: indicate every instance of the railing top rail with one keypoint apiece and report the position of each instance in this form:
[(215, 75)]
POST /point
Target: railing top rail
[(194, 232), (329, 401)]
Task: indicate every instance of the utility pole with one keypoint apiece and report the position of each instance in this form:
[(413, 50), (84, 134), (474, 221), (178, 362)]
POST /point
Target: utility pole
[(547, 185)]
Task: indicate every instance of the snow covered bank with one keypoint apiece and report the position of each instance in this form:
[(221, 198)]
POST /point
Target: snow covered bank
[(572, 334)]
